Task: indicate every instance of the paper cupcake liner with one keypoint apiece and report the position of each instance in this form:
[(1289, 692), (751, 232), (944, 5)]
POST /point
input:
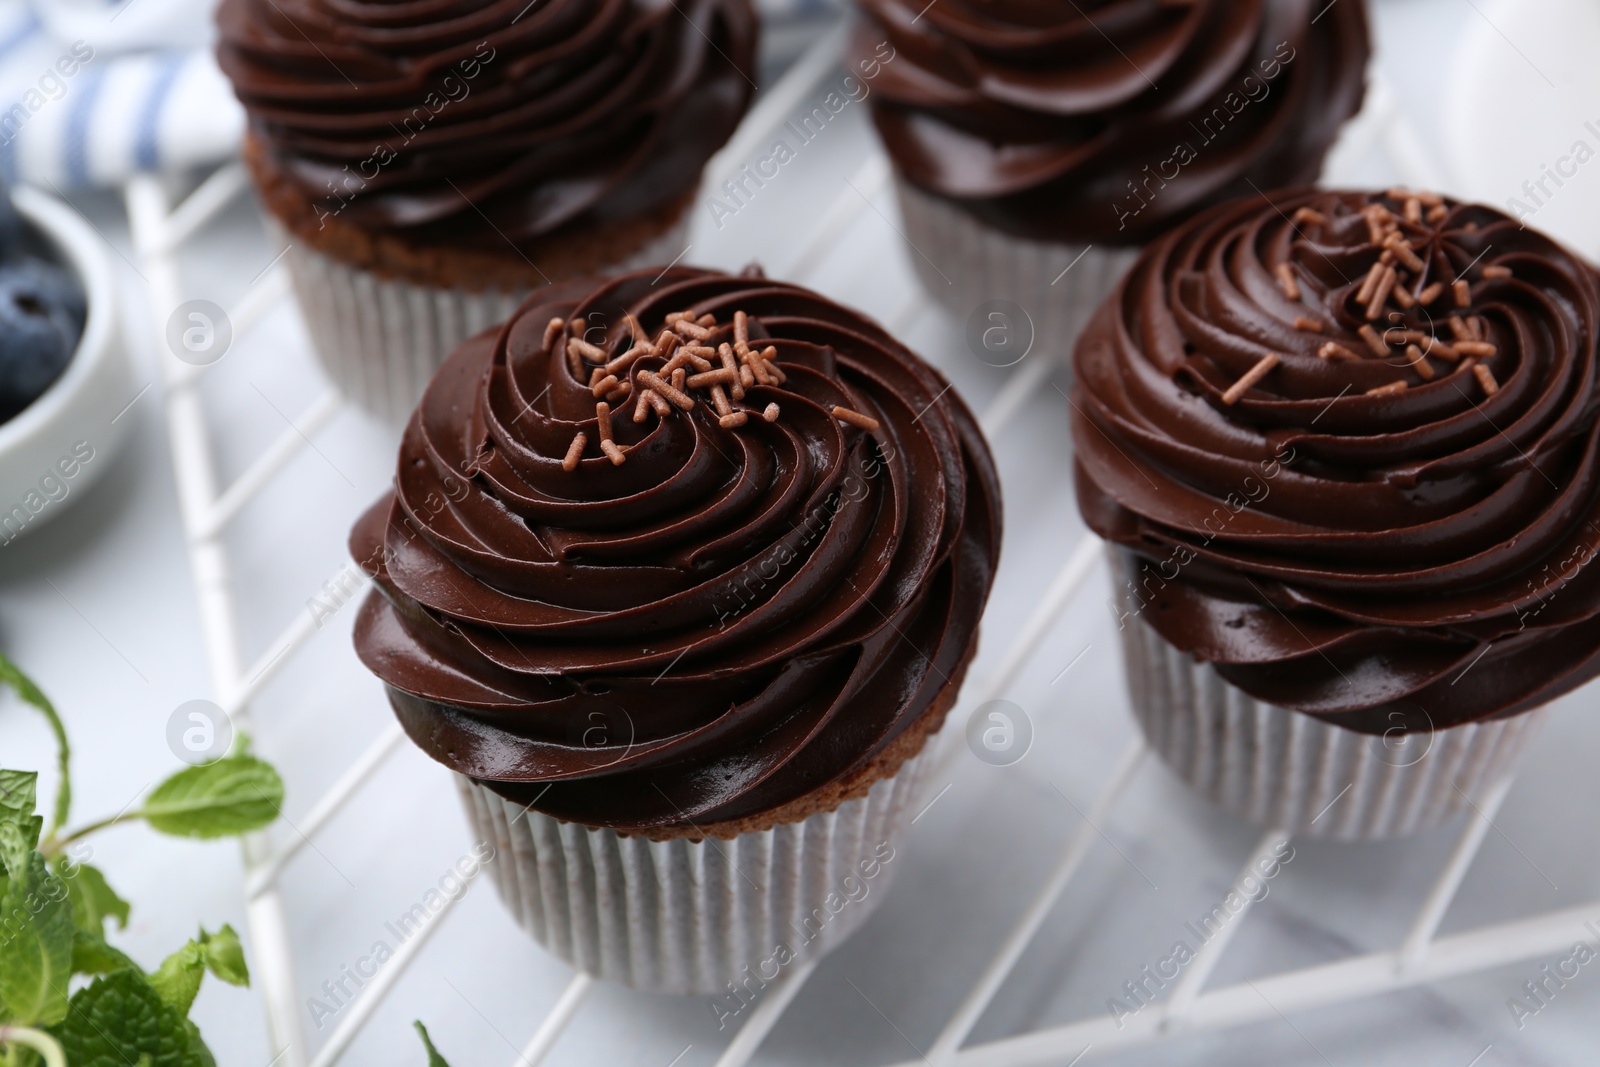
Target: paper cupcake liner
[(964, 263), (720, 917), (1287, 770), (381, 339)]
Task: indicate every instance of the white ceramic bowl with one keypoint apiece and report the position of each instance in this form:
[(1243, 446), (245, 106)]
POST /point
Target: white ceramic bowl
[(53, 450)]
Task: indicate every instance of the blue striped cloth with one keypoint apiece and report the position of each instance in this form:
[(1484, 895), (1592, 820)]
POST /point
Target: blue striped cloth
[(92, 91)]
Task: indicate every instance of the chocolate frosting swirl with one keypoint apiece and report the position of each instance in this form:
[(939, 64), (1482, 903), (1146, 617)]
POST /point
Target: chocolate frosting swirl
[(1108, 121), (478, 121), (727, 621), (1348, 553)]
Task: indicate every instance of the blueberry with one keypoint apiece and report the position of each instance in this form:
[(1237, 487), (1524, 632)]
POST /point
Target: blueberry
[(42, 312), (56, 287)]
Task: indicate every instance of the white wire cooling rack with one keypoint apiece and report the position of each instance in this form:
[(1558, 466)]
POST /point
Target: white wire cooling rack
[(161, 229)]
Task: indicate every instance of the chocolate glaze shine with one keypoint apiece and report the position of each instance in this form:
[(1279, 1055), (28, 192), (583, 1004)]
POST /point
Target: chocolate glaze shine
[(1346, 554), (450, 120), (724, 623), (1041, 118)]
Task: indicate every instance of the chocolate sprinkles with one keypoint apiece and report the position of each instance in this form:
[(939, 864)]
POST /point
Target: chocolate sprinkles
[(721, 374)]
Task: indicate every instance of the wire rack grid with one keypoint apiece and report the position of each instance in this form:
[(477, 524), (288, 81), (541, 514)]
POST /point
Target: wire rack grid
[(161, 228)]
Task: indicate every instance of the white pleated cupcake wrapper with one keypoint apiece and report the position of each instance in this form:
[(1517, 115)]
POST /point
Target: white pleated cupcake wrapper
[(684, 916), (381, 339), (1286, 770), (964, 263)]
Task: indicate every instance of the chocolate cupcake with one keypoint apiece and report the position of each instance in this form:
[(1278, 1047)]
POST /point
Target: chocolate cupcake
[(430, 164), (1036, 148), (1345, 448), (681, 572)]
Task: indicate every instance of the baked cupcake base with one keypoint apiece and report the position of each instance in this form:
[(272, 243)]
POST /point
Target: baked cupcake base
[(963, 263), (696, 916), (1290, 771), (380, 339), (383, 314)]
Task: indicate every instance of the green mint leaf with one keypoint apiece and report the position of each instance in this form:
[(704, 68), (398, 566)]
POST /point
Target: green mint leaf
[(17, 842), (91, 955), (19, 826), (19, 795), (177, 980), (119, 1019), (229, 797), (35, 945), (203, 1057), (10, 675), (93, 899), (225, 956), (434, 1059)]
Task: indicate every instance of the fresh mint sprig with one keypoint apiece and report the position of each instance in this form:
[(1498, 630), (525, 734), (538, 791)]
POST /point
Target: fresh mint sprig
[(24, 688), (434, 1059), (54, 910)]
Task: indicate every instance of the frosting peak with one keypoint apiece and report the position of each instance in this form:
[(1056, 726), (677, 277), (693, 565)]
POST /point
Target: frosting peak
[(711, 619), (481, 121), (1352, 439), (1108, 121)]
